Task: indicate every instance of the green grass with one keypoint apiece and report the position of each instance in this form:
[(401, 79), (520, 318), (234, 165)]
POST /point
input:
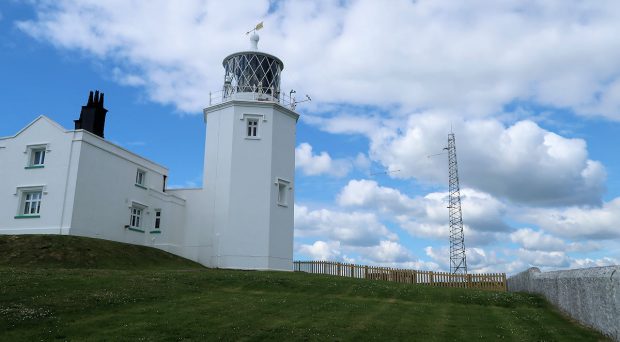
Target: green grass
[(178, 300), (55, 251)]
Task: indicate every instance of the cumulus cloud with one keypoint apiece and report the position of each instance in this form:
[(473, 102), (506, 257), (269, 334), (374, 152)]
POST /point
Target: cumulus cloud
[(478, 259), (474, 57), (523, 162), (349, 228), (427, 216), (312, 164), (386, 252), (587, 262), (579, 222), (536, 240), (543, 259), (321, 250)]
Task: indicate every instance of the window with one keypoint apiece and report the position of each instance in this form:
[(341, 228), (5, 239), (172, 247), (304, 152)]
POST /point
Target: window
[(157, 218), (36, 157), (141, 178), (31, 203), (135, 218), (283, 187), (252, 128)]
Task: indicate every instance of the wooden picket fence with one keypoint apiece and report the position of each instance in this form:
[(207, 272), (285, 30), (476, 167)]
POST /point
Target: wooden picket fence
[(486, 281)]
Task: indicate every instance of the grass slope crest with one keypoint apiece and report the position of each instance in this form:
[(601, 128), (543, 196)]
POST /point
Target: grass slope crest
[(65, 251)]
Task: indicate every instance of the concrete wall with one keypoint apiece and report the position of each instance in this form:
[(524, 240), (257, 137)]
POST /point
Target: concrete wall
[(590, 295)]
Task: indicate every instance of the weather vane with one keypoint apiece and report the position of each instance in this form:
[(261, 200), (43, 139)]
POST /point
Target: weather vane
[(258, 27)]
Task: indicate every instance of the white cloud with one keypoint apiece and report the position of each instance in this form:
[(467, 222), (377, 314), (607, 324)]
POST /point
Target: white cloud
[(368, 194), (427, 216), (579, 222), (321, 250), (543, 259), (587, 262), (386, 252), (317, 164), (522, 162), (351, 229), (474, 56), (478, 259), (536, 240)]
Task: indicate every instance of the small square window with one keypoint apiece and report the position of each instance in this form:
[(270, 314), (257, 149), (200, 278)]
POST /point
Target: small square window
[(157, 218), (252, 128), (283, 187), (141, 178), (38, 157), (31, 203)]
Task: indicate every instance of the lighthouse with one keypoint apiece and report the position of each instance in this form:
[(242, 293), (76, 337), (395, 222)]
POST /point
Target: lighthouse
[(59, 181), (249, 165)]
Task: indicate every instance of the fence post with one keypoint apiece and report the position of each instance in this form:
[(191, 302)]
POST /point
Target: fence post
[(415, 277), (469, 280), (338, 268), (430, 278), (365, 271), (504, 282)]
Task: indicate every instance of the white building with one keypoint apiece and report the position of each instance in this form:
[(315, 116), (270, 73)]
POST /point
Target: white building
[(59, 181)]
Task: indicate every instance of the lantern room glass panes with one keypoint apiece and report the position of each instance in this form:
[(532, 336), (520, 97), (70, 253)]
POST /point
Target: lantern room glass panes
[(252, 72)]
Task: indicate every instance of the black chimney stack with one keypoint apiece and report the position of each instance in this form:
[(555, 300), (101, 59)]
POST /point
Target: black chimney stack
[(92, 116)]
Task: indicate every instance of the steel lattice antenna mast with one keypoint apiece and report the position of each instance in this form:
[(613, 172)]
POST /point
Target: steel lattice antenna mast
[(458, 262)]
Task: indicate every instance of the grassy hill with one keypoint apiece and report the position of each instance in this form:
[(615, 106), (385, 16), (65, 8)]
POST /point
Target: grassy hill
[(56, 251), (70, 288)]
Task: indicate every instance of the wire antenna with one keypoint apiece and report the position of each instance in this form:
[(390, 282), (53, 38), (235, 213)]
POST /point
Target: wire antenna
[(386, 172), (458, 262)]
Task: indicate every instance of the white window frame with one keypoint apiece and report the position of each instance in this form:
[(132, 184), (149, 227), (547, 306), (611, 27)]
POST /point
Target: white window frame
[(38, 157), (32, 150), (26, 200), (141, 178), (136, 216), (283, 188)]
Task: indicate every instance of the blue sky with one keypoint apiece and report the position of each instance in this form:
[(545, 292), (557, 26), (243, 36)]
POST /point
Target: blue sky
[(531, 90)]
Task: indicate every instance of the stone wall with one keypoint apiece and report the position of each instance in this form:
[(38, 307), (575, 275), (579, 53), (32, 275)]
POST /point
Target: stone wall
[(590, 295)]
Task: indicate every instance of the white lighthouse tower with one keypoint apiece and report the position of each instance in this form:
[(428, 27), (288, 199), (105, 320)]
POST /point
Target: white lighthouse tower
[(250, 165)]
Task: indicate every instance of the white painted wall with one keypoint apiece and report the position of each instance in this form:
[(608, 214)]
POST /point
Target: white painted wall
[(54, 178), (195, 237), (240, 175), (282, 166), (106, 191)]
